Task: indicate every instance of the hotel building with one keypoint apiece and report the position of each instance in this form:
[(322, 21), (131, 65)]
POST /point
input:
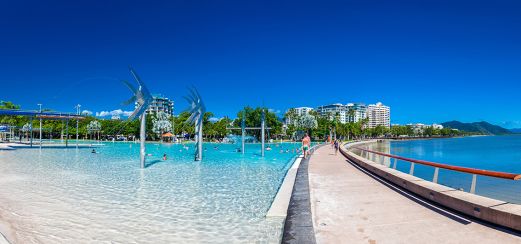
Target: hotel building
[(332, 110), (359, 112), (299, 111), (303, 110), (160, 103), (378, 114)]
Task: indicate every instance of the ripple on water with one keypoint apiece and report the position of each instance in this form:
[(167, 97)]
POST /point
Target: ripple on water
[(69, 195)]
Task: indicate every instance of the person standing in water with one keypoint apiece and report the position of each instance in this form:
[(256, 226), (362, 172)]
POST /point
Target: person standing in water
[(306, 143)]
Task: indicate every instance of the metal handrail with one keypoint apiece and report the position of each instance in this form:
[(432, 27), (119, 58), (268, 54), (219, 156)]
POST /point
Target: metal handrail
[(496, 174)]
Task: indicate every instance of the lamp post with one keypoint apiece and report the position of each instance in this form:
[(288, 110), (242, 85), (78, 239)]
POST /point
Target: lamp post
[(40, 105)]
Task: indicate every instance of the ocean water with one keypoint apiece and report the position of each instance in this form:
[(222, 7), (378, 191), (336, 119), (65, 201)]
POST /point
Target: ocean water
[(75, 196), (497, 153)]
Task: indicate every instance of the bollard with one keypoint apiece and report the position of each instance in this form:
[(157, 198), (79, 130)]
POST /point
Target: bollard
[(473, 185), (435, 177)]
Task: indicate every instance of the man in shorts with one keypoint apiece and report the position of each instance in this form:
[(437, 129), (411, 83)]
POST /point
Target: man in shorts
[(306, 144)]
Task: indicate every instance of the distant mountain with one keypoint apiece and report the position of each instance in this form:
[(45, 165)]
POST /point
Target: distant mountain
[(516, 130), (482, 127)]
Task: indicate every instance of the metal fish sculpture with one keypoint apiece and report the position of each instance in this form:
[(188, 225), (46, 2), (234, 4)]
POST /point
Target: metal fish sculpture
[(141, 96), (142, 99), (196, 110)]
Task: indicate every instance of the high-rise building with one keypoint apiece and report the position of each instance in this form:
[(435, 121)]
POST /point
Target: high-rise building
[(299, 112), (356, 112), (378, 114), (160, 103), (332, 110), (303, 110)]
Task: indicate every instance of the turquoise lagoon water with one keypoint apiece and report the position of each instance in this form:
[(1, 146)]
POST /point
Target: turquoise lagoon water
[(74, 196), (498, 153)]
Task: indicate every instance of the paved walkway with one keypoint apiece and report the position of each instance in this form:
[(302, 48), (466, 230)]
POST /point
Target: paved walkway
[(349, 206)]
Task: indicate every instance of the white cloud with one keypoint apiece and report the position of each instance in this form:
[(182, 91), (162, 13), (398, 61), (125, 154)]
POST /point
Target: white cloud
[(214, 119), (275, 111), (86, 112), (117, 112)]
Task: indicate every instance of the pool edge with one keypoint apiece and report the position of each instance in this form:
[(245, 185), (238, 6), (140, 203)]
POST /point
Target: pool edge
[(279, 205)]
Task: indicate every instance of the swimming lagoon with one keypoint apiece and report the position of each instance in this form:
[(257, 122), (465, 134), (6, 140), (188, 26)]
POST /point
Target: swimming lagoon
[(75, 196)]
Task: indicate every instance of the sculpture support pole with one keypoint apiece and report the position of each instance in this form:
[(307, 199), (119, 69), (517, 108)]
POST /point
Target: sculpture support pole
[(243, 135), (243, 128), (262, 133), (40, 128), (200, 142), (67, 134), (142, 137), (77, 125), (31, 129)]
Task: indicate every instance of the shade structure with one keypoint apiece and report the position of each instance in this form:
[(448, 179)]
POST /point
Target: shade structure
[(168, 134)]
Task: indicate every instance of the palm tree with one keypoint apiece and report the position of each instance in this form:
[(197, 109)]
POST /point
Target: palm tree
[(94, 126), (161, 124), (291, 116), (26, 128), (363, 124), (351, 115), (307, 122)]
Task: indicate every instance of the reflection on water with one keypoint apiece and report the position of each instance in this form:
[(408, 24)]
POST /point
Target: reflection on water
[(497, 153), (385, 147)]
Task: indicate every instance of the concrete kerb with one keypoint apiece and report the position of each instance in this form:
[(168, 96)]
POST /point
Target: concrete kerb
[(279, 206), (3, 240), (298, 224), (490, 210)]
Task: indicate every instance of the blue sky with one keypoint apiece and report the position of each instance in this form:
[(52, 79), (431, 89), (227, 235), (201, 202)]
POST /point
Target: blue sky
[(431, 61)]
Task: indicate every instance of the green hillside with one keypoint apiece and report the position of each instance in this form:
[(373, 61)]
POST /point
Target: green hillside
[(482, 127)]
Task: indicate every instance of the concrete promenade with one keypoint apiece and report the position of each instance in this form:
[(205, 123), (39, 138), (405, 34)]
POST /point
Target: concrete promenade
[(350, 206)]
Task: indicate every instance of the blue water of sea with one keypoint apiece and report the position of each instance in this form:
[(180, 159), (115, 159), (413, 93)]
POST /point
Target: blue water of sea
[(497, 153)]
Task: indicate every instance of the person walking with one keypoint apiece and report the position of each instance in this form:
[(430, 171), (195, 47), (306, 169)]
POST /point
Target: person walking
[(336, 147), (306, 143)]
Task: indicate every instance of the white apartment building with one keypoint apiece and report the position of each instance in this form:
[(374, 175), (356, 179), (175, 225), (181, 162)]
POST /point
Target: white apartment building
[(419, 127), (332, 110), (359, 112), (437, 126), (379, 114), (303, 110), (299, 111), (160, 103)]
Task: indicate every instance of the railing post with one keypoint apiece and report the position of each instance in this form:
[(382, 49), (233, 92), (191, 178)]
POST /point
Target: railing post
[(395, 163), (473, 185), (411, 171), (435, 177)]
